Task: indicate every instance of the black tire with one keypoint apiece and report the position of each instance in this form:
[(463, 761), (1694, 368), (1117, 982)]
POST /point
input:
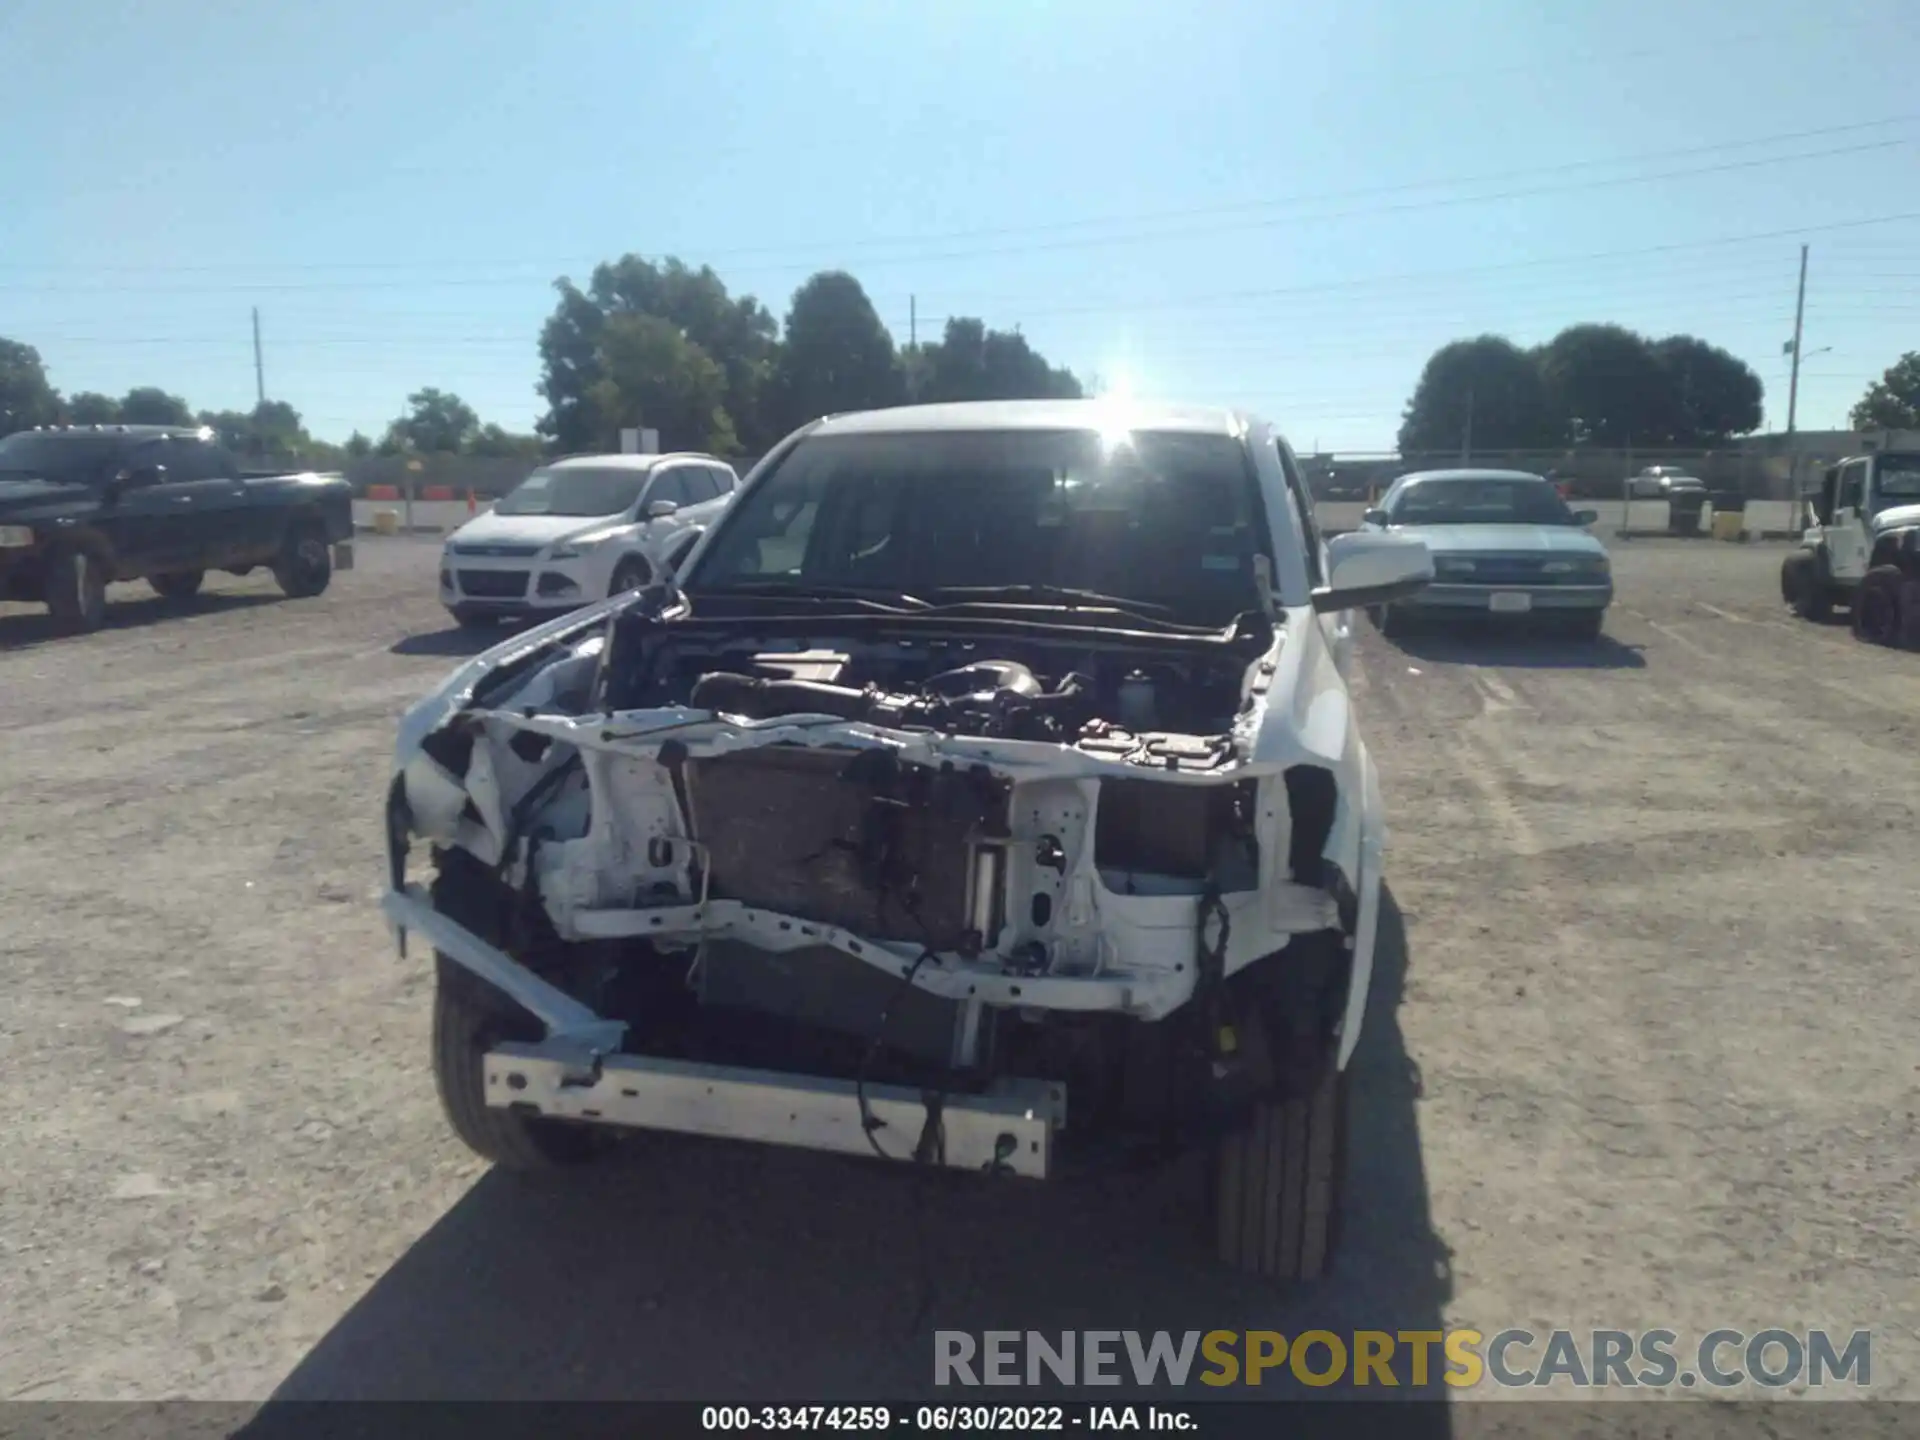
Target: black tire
[(1390, 621), (470, 1018), (1804, 586), (474, 619), (1878, 606), (304, 566), (1278, 1182), (1587, 625), (630, 574), (76, 590), (179, 585)]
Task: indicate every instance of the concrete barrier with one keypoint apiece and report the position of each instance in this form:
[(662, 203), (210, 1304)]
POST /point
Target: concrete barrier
[(430, 517)]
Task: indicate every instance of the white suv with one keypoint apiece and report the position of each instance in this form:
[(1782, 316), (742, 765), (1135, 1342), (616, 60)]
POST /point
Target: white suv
[(580, 530)]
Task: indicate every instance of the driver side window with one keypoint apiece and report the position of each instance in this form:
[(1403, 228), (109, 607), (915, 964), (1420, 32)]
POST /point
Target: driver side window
[(138, 465), (1853, 487), (672, 485)]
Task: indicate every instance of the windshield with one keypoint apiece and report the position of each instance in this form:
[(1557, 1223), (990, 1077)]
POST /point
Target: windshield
[(574, 491), (1480, 502), (58, 457), (1898, 482), (1164, 520)]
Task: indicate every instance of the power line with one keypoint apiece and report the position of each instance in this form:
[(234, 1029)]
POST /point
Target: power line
[(1138, 218), (1082, 243)]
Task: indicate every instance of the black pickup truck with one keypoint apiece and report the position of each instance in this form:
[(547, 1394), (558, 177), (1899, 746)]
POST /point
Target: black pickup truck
[(82, 506)]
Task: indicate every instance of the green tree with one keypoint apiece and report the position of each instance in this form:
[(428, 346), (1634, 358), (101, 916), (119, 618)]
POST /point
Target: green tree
[(1608, 386), (495, 442), (436, 422), (1488, 386), (150, 405), (971, 362), (1893, 401), (26, 399), (358, 446), (836, 355), (1714, 394), (89, 407), (735, 332), (654, 376)]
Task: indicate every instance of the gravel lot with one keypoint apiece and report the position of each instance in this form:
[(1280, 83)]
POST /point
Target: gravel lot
[(1643, 1054)]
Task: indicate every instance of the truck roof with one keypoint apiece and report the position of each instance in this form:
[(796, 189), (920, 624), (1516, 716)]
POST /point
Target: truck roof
[(1098, 414), (130, 432)]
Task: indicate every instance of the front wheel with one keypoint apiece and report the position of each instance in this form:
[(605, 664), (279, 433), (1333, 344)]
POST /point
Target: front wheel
[(1879, 611), (630, 574), (1278, 1182), (179, 585), (304, 566), (76, 590), (469, 1019)]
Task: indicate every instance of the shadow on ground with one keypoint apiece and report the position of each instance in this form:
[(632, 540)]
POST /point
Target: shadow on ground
[(706, 1271), (1483, 642), (455, 641), (37, 628)]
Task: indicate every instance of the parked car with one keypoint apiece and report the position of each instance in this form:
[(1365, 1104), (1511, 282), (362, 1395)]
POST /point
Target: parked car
[(1667, 482), (579, 530), (1504, 543), (983, 794), (83, 506), (1863, 549)]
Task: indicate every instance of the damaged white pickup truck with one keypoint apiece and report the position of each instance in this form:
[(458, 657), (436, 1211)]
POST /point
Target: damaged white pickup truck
[(982, 792)]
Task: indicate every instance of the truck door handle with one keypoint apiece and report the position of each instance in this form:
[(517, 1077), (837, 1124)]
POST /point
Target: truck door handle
[(183, 499)]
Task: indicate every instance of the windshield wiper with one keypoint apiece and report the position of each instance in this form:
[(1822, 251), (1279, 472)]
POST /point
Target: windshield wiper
[(1053, 595), (811, 590)]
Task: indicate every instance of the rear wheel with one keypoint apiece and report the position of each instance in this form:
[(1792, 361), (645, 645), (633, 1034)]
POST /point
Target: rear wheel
[(1278, 1181), (1588, 625), (76, 590), (179, 585), (1803, 585), (1878, 606), (472, 619), (304, 566)]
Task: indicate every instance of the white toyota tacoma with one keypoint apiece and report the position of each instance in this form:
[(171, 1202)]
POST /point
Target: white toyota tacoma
[(984, 791)]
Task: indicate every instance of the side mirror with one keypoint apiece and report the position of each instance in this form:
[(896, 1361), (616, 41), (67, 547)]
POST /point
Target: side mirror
[(661, 509), (1585, 517), (1372, 569), (1374, 517)]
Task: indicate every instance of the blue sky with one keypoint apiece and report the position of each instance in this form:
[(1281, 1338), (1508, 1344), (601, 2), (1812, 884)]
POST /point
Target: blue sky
[(1284, 206)]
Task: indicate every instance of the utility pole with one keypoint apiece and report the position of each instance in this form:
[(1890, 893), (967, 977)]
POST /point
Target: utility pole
[(1466, 432), (259, 371), (1799, 314), (913, 348)]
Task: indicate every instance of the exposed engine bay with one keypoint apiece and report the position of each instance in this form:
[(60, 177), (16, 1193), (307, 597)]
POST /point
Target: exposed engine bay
[(881, 851)]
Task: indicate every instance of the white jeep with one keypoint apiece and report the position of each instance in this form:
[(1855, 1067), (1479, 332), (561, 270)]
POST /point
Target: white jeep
[(1862, 549)]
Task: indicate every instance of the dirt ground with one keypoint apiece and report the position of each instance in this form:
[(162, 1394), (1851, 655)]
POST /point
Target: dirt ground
[(1643, 1048)]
